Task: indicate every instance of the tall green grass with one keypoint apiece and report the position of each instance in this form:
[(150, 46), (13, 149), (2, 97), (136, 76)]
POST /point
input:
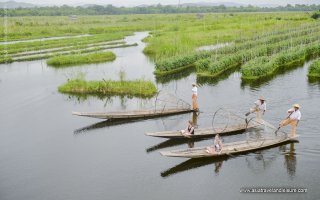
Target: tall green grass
[(266, 66), (172, 34), (68, 60), (137, 88), (314, 69)]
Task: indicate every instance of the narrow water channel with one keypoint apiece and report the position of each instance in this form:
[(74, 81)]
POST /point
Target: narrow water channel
[(46, 153)]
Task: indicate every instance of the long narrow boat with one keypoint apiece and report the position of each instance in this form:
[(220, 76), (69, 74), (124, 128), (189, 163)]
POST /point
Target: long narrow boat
[(230, 148), (136, 114), (206, 132)]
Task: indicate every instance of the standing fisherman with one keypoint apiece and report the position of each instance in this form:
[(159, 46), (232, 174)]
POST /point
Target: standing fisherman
[(195, 106), (259, 108), (293, 119)]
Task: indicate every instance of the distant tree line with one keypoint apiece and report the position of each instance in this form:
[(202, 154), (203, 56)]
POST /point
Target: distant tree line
[(156, 9)]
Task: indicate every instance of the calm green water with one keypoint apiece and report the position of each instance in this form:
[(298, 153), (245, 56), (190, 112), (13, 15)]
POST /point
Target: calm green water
[(46, 153)]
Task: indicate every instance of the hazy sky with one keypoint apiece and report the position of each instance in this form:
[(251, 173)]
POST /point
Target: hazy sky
[(139, 2)]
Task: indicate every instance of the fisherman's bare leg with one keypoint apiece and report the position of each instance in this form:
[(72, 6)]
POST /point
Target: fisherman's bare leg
[(293, 128)]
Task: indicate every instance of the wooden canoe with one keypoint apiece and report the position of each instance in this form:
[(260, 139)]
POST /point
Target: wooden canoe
[(134, 114), (230, 148), (205, 132)]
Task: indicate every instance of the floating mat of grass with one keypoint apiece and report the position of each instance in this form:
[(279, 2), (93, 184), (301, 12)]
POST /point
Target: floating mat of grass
[(69, 60), (314, 70), (137, 88)]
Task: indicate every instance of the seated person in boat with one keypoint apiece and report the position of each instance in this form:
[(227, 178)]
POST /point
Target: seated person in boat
[(217, 145), (189, 130), (293, 119), (259, 108)]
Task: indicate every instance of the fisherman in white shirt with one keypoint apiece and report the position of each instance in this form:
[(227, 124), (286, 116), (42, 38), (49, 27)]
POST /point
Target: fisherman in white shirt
[(259, 108), (195, 105), (293, 119)]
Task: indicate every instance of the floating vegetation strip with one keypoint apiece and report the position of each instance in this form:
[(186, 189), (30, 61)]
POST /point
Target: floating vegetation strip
[(266, 66), (213, 67), (68, 60), (179, 63), (5, 59), (314, 70), (137, 88), (213, 63)]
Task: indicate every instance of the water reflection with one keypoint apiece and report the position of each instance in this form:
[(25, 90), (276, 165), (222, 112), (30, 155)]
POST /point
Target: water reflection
[(215, 80), (260, 161), (290, 161), (103, 124), (314, 81), (174, 142), (176, 76), (196, 163), (80, 98)]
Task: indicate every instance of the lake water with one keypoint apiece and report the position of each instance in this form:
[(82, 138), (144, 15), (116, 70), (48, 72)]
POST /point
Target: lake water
[(46, 153)]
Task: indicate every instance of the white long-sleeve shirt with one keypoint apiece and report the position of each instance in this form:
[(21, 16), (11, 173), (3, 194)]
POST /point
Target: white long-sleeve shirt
[(261, 106), (195, 90), (296, 114)]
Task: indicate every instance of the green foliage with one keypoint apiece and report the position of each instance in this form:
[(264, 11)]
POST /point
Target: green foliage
[(314, 70), (316, 15), (154, 9), (68, 60), (5, 59), (235, 55), (137, 88), (265, 66), (180, 61)]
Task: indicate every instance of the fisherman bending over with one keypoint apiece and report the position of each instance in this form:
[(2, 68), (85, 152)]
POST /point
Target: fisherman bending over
[(259, 108)]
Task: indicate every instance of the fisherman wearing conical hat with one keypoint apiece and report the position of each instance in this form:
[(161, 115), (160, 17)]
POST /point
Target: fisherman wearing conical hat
[(259, 108), (195, 105), (293, 119)]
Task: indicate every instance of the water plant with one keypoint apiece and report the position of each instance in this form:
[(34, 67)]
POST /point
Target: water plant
[(136, 88), (314, 69), (68, 60)]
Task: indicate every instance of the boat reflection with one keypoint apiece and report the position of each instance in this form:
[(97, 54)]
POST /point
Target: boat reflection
[(106, 123), (196, 163), (174, 142)]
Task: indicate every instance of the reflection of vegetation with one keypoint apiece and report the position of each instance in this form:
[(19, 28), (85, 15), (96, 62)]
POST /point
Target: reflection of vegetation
[(314, 80), (175, 76), (136, 88), (314, 69), (68, 60), (202, 80)]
